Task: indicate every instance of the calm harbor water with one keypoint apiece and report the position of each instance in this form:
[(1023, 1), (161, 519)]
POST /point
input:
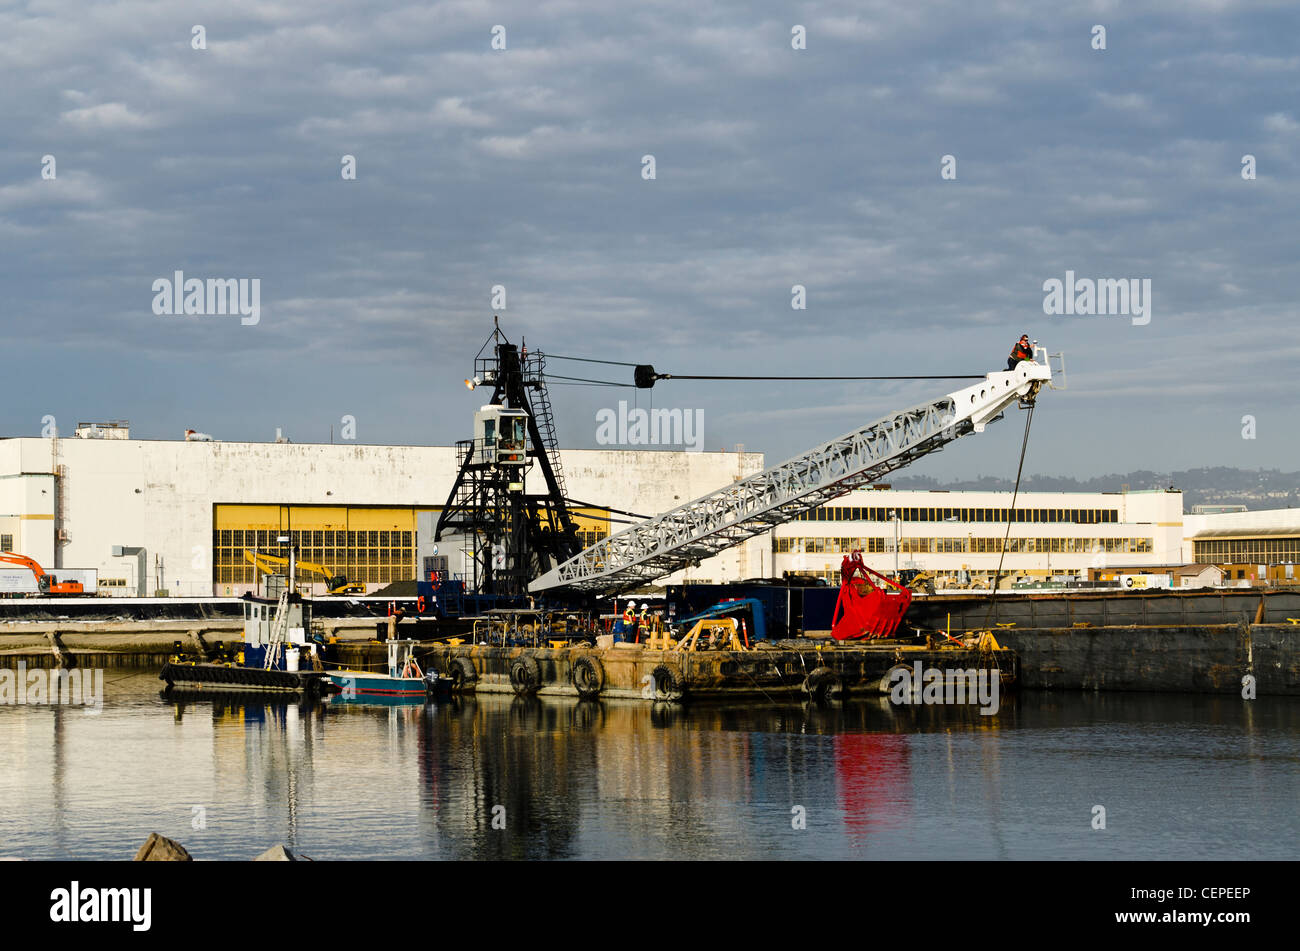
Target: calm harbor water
[(1180, 777)]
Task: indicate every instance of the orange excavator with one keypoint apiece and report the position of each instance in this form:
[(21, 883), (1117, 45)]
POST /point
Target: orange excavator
[(44, 582)]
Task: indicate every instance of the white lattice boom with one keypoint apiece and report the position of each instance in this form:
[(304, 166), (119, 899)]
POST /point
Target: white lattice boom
[(697, 530)]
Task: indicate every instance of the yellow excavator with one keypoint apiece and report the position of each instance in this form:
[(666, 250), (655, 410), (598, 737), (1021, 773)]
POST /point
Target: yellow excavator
[(918, 581), (276, 564)]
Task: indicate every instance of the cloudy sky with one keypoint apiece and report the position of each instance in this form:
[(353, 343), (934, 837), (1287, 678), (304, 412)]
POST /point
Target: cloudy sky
[(773, 167)]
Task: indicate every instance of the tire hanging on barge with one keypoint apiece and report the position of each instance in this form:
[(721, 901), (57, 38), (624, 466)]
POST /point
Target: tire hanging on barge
[(900, 674), (462, 673), (525, 675), (669, 684), (823, 685), (588, 677)]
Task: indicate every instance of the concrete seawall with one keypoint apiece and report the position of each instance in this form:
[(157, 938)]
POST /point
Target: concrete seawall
[(144, 644), (1192, 659), (1043, 611)]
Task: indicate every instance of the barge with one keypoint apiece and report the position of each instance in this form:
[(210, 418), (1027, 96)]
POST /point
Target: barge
[(799, 670)]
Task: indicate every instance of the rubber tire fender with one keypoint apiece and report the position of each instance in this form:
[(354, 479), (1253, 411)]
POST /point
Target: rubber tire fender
[(588, 675), (525, 674), (886, 686), (669, 683), (462, 673), (823, 684)]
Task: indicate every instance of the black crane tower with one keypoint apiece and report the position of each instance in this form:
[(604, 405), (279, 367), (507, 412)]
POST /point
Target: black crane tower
[(514, 535)]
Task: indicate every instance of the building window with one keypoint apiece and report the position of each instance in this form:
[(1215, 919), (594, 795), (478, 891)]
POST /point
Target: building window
[(587, 539), (6, 543)]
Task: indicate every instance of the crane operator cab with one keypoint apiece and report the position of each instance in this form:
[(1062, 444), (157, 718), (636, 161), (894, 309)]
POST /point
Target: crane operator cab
[(501, 436)]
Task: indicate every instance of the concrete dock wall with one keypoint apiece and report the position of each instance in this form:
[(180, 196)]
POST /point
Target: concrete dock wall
[(1191, 659), (143, 644), (1104, 609)]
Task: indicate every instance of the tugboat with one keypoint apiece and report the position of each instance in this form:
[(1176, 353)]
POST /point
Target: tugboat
[(276, 654), (404, 681)]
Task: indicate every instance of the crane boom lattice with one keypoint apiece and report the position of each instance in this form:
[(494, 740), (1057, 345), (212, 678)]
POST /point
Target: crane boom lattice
[(728, 516)]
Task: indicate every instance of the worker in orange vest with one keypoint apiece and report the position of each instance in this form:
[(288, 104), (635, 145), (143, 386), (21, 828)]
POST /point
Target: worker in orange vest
[(1023, 350), (627, 624)]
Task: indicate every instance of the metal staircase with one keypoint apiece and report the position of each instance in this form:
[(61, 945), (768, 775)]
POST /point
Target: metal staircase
[(700, 529)]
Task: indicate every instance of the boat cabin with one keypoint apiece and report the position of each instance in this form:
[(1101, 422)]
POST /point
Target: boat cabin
[(290, 638)]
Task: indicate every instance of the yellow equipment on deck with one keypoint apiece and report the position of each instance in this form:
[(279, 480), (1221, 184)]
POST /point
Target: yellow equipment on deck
[(707, 634), (275, 564), (719, 634), (658, 636)]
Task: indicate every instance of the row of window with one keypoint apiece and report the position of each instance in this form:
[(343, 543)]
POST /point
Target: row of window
[(1261, 551), (369, 557), (845, 513), (264, 540), (960, 545)]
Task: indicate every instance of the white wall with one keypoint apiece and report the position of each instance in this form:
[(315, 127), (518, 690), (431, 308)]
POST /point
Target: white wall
[(27, 500), (160, 494)]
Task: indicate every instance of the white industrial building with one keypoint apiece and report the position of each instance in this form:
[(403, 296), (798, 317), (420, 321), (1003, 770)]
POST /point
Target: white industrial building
[(957, 535), (187, 510), (1251, 547)]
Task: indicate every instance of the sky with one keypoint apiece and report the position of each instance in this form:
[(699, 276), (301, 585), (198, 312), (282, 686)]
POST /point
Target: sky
[(774, 166)]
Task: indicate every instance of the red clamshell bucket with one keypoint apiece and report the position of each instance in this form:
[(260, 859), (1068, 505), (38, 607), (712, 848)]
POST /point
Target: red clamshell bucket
[(864, 608)]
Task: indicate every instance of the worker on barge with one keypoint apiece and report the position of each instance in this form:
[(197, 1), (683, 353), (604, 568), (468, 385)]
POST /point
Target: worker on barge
[(624, 627)]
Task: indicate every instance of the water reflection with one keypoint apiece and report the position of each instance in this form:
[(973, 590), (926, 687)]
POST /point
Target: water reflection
[(499, 777)]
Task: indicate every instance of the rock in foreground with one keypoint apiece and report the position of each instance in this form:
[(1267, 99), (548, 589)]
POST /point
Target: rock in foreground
[(159, 848), (281, 853)]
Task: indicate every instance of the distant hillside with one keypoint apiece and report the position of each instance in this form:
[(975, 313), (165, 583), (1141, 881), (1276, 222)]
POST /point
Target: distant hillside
[(1214, 485)]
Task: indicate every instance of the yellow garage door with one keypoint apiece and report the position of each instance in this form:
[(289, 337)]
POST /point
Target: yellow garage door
[(372, 545)]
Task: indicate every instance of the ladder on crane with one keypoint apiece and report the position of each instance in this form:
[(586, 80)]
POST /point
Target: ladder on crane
[(728, 516), (279, 631), (535, 363)]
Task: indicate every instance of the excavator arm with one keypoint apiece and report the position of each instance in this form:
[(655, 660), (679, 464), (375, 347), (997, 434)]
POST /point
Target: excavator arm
[(273, 564), (44, 583)]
